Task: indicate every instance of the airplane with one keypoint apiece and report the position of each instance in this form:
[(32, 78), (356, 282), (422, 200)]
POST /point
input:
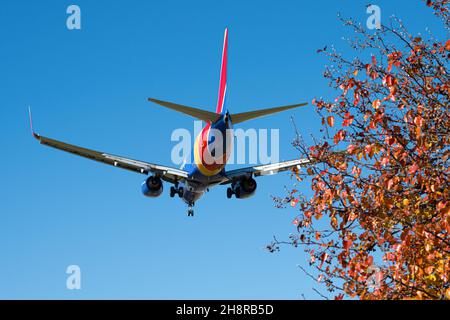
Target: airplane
[(197, 177)]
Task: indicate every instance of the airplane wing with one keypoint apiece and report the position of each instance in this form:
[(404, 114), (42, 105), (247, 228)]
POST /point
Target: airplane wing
[(166, 173), (264, 170)]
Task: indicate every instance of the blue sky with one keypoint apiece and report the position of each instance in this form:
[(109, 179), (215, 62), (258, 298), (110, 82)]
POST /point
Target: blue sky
[(89, 87)]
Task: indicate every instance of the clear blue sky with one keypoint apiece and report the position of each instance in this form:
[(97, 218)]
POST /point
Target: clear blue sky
[(89, 87)]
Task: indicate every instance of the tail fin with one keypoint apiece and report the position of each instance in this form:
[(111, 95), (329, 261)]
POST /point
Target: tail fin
[(221, 109), (245, 116)]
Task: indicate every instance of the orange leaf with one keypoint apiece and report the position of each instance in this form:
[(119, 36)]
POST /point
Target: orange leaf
[(447, 45), (317, 235), (330, 121), (376, 104)]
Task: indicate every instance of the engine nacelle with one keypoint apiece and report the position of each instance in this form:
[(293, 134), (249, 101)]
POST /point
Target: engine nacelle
[(244, 188), (152, 187)]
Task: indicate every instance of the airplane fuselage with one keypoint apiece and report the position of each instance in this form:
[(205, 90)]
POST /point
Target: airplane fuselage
[(209, 158)]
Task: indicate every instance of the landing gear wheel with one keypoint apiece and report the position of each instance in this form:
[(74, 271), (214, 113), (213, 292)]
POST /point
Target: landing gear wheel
[(180, 192), (190, 212), (173, 191), (229, 193)]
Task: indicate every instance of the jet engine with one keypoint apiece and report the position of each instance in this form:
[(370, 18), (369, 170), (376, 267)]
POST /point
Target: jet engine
[(242, 189), (152, 187)]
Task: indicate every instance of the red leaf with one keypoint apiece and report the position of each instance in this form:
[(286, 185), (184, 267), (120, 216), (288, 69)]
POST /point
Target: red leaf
[(351, 148), (323, 258), (413, 168), (347, 244), (348, 119), (374, 60), (390, 184)]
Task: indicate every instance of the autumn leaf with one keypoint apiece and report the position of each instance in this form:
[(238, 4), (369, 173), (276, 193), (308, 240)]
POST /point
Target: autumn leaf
[(374, 60), (413, 169), (339, 136), (330, 121), (351, 148), (347, 244), (376, 103)]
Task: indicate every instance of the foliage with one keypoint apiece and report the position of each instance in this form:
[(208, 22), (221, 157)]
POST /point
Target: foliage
[(381, 184)]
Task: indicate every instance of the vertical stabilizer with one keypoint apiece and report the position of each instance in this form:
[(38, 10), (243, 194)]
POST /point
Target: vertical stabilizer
[(221, 109)]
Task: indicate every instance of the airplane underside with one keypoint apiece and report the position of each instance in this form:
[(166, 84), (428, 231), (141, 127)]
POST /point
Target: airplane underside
[(189, 193), (191, 190)]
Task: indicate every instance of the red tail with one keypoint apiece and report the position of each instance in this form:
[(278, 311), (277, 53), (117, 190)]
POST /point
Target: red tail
[(223, 76)]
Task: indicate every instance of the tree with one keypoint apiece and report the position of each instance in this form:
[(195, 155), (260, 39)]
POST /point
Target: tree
[(378, 223)]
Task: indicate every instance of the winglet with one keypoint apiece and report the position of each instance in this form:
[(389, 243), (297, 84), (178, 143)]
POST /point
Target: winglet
[(31, 124)]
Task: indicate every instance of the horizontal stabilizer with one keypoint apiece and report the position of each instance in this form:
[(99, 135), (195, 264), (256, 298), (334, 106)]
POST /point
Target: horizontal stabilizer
[(245, 116), (193, 112)]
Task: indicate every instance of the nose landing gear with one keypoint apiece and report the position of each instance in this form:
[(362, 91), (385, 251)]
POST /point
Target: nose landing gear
[(190, 211)]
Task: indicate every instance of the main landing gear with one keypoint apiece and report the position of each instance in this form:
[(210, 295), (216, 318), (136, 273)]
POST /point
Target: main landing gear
[(176, 190)]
